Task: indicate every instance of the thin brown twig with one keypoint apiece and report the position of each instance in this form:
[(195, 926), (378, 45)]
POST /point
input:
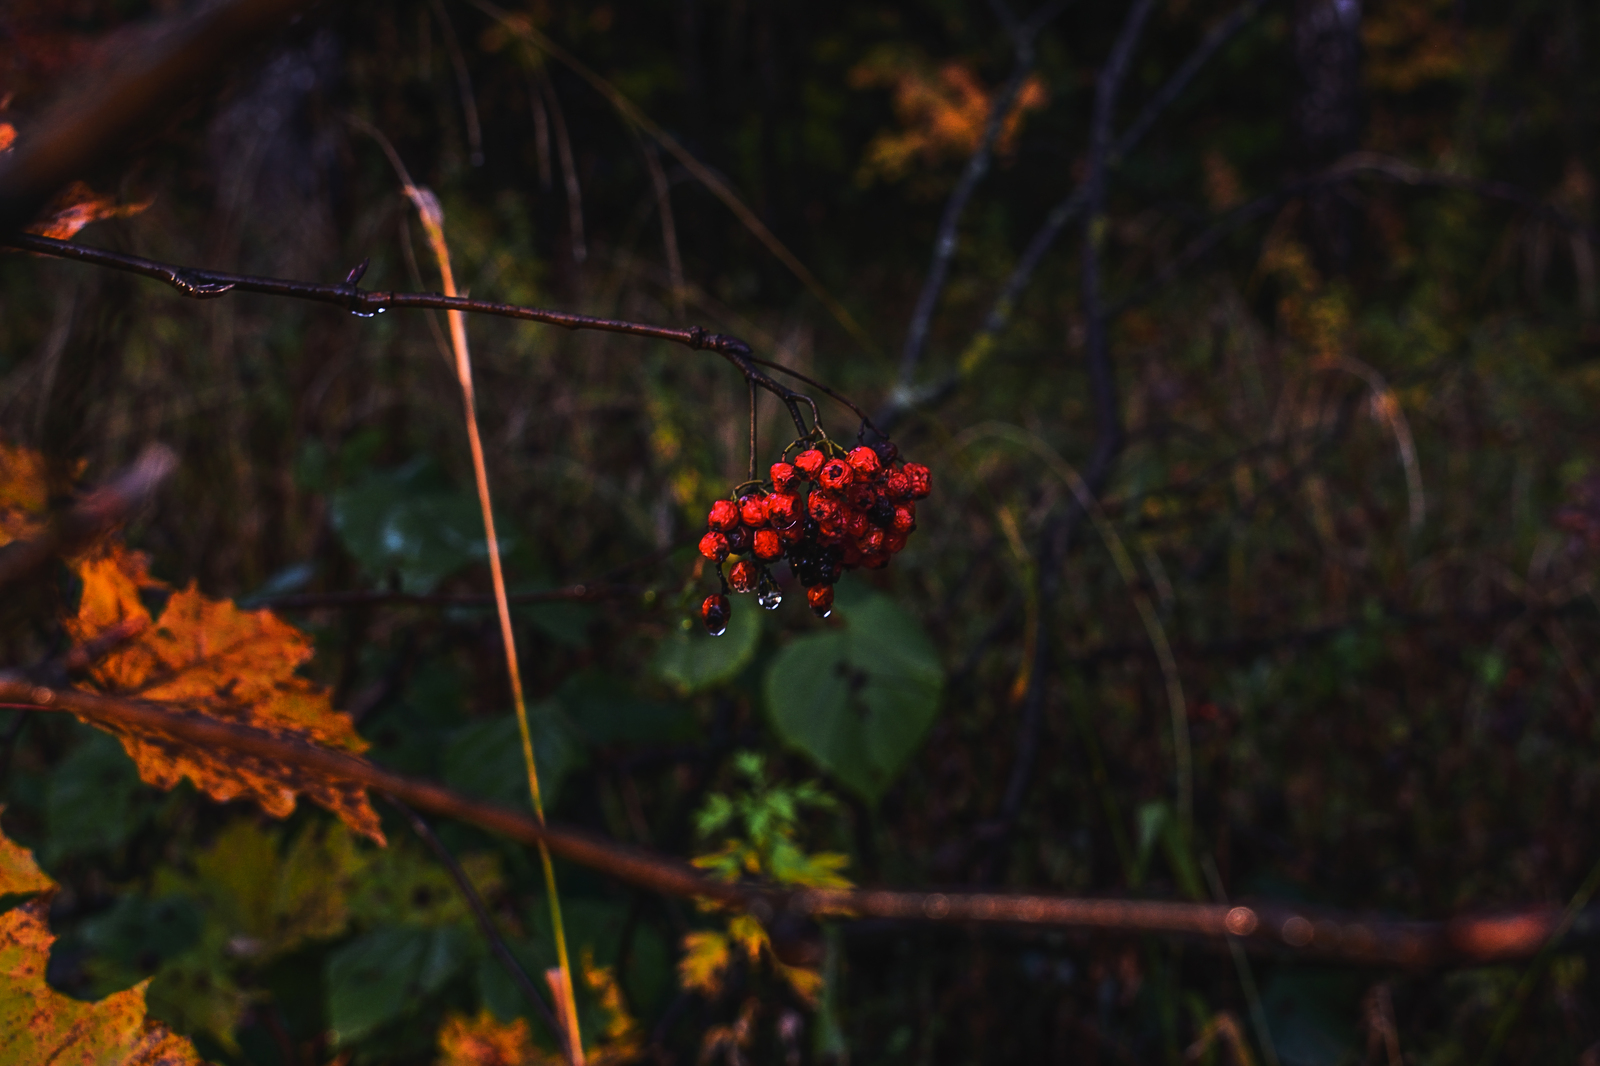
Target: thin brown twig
[(480, 913), (1264, 926)]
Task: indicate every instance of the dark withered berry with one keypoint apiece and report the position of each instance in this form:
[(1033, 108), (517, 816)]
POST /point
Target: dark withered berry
[(881, 513), (739, 540), (715, 612), (714, 546), (887, 452), (724, 516)]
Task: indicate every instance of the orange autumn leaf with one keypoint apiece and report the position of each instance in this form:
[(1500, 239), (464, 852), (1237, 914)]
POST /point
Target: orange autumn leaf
[(23, 492), (75, 207), (210, 658), (486, 1041), (39, 1024)]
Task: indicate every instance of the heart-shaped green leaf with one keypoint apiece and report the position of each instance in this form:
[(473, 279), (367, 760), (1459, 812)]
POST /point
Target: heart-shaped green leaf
[(858, 700)]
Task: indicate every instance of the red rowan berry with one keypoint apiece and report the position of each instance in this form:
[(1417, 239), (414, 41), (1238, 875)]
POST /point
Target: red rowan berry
[(835, 474), (715, 612), (782, 476), (864, 460), (905, 518), (895, 542), (852, 556), (860, 495), (921, 480), (897, 485), (821, 599), (743, 576), (854, 522), (823, 508), (753, 510), (714, 546), (810, 462), (829, 533), (793, 533), (724, 516), (872, 542), (766, 545), (782, 509), (875, 560)]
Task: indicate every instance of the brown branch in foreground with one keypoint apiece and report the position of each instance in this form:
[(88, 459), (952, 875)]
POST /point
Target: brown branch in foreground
[(92, 517), (365, 303), (1266, 926)]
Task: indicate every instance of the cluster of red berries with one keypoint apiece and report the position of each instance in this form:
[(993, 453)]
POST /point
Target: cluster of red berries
[(824, 513)]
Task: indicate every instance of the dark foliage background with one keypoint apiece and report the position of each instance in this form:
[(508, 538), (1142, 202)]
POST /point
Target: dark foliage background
[(1356, 483)]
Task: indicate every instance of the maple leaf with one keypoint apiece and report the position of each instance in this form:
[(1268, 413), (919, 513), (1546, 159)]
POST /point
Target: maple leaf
[(75, 207), (39, 1024), (208, 657)]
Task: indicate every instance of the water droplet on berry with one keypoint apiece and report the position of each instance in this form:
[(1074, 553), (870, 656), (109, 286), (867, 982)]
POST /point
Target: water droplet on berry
[(768, 595)]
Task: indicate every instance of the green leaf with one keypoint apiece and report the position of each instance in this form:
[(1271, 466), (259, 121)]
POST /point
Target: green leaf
[(607, 711), (858, 700), (694, 661), (376, 977), (485, 758), (408, 523), (92, 801)]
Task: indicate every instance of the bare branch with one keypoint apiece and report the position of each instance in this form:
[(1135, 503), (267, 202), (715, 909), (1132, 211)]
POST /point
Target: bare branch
[(944, 244), (486, 926)]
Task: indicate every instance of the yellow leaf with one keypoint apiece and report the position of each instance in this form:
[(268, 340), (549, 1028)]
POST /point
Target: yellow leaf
[(40, 1025), (75, 207), (705, 958), (621, 1040), (210, 658), (19, 874), (486, 1041)]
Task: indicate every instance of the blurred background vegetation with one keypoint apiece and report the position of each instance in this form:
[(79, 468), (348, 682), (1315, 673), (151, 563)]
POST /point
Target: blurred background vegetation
[(1357, 488)]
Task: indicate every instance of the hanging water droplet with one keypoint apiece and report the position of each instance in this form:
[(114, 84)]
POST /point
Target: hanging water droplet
[(768, 595), (822, 612), (716, 628), (364, 314)]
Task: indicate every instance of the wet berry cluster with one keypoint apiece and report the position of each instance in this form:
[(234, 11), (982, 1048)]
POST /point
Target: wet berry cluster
[(828, 511)]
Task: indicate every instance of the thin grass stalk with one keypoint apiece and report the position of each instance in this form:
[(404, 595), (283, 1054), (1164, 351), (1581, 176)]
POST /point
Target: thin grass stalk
[(433, 222)]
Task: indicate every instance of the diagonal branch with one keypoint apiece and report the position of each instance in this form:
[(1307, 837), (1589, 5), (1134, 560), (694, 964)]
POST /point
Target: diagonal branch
[(88, 128), (1067, 211), (944, 244), (365, 303), (1269, 927)]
